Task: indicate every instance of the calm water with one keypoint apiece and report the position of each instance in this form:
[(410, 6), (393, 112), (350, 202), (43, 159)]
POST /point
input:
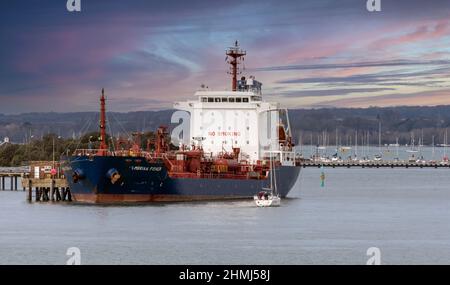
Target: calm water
[(404, 212)]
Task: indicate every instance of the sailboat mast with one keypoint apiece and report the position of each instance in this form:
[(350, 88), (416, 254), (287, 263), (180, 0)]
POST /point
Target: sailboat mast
[(336, 142), (274, 187), (432, 144), (396, 146), (271, 171), (379, 134), (445, 143)]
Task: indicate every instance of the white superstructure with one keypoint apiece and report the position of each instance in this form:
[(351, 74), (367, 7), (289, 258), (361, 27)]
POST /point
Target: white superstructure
[(221, 120), (224, 121)]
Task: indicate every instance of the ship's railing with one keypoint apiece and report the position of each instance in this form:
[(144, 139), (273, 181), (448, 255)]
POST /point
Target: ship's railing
[(211, 175), (90, 152), (283, 157), (96, 152)]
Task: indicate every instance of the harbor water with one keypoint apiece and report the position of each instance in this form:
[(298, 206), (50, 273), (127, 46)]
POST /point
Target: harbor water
[(403, 212)]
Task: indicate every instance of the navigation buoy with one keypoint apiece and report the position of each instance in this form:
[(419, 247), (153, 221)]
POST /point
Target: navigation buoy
[(322, 177)]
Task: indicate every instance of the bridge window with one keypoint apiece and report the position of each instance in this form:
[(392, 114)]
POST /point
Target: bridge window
[(224, 99), (210, 100), (245, 99), (238, 100), (204, 99), (217, 99), (231, 100)]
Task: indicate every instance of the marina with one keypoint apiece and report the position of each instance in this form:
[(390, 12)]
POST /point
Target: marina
[(374, 164)]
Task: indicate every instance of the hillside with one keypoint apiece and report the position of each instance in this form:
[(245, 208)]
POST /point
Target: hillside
[(396, 122)]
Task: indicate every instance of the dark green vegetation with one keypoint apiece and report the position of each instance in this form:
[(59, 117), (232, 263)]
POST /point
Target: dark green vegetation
[(42, 149)]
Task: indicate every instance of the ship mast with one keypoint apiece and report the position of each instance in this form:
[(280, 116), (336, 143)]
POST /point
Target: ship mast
[(235, 53), (103, 145)]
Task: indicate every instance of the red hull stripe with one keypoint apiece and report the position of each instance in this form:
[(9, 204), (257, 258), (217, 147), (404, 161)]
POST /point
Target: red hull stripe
[(124, 198)]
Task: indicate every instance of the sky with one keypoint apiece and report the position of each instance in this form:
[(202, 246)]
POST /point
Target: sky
[(148, 54)]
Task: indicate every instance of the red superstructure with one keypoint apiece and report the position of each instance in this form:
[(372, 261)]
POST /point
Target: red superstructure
[(196, 163)]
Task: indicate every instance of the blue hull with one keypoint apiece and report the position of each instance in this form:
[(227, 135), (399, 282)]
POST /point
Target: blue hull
[(141, 181)]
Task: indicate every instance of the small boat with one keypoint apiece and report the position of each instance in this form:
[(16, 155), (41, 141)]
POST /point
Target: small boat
[(335, 158), (444, 160), (269, 197), (344, 149), (377, 157)]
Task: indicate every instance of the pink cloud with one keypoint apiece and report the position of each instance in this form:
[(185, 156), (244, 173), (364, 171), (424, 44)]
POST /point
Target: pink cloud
[(421, 33), (426, 98)]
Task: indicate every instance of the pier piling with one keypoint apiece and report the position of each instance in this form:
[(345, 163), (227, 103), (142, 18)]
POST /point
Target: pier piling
[(30, 191)]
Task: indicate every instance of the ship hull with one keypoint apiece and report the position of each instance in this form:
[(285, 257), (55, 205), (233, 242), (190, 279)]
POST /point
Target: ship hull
[(143, 181)]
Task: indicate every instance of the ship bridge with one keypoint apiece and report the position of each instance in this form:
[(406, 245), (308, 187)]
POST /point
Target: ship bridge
[(248, 90)]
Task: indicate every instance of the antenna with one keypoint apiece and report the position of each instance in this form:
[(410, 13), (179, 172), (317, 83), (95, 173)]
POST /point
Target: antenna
[(235, 53)]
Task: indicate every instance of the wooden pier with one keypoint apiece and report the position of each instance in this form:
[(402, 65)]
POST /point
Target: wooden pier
[(38, 179), (48, 182), (13, 174), (47, 189)]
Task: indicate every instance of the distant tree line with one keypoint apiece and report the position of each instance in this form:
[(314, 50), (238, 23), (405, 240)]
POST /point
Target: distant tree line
[(53, 146), (319, 126)]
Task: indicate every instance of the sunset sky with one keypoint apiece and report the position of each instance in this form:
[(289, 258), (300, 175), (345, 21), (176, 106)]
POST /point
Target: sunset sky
[(147, 54)]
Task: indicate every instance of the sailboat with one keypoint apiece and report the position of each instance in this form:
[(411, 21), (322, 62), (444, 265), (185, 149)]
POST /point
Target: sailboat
[(269, 197), (396, 158), (412, 150), (378, 157)]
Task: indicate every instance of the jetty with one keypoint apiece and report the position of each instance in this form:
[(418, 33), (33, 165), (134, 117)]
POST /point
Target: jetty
[(12, 174), (44, 181), (47, 180)]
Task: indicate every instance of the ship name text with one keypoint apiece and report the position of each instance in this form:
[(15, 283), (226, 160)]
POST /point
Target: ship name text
[(146, 168)]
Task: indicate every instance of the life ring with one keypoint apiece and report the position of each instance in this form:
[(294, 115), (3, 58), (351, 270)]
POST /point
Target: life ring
[(77, 175), (113, 175)]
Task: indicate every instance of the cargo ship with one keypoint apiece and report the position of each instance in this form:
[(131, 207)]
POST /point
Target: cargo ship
[(223, 151)]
